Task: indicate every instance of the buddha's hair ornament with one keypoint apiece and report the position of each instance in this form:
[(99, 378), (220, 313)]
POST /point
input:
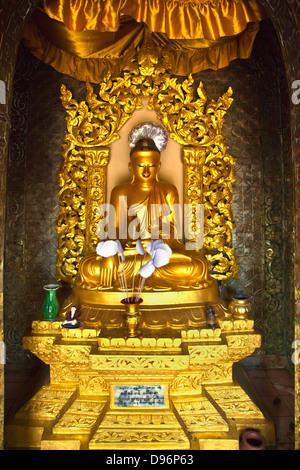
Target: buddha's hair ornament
[(149, 130)]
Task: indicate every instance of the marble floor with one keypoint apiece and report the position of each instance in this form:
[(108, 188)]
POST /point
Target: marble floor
[(273, 386)]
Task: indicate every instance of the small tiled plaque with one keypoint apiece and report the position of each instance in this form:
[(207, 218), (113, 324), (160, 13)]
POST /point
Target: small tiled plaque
[(139, 396)]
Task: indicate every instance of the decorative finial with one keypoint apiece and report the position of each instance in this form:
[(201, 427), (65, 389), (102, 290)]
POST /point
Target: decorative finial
[(149, 130)]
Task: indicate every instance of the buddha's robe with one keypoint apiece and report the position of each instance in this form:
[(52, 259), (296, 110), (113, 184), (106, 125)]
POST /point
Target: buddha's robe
[(137, 211)]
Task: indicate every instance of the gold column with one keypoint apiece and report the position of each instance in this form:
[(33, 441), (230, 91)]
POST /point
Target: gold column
[(83, 184), (193, 161), (96, 160)]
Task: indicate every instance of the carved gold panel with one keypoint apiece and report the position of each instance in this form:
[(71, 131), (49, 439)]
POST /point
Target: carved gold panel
[(80, 418), (234, 401), (192, 122), (132, 439)]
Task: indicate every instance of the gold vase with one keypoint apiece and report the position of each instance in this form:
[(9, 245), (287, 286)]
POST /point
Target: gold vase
[(240, 306), (132, 316)]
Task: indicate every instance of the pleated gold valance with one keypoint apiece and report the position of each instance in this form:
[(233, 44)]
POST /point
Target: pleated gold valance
[(185, 19), (83, 38)]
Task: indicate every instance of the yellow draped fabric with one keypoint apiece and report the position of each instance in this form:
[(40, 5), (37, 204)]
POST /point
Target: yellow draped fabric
[(80, 37), (185, 19)]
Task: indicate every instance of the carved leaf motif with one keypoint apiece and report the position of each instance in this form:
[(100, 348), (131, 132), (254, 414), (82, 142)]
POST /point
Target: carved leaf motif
[(193, 123)]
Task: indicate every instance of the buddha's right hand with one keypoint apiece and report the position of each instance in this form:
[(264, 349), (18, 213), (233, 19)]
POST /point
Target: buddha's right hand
[(106, 277), (96, 272)]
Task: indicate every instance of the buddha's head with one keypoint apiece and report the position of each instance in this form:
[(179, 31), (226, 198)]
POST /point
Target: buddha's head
[(146, 140), (144, 161)]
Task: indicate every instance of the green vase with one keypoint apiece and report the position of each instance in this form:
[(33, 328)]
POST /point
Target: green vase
[(50, 305)]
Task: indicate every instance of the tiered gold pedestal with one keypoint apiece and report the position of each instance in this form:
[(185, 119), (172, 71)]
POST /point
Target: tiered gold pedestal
[(203, 408)]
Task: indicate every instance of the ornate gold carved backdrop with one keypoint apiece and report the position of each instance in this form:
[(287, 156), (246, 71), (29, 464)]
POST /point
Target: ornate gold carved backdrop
[(94, 123)]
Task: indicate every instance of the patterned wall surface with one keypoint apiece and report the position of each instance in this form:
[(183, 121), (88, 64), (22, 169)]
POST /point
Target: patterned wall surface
[(286, 19), (32, 204), (274, 131), (15, 273), (13, 15)]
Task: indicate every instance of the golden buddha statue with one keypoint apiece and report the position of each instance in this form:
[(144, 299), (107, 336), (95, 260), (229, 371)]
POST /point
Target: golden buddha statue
[(144, 207), (144, 196)]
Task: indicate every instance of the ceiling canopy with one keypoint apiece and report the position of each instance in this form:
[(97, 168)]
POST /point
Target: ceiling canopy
[(85, 38)]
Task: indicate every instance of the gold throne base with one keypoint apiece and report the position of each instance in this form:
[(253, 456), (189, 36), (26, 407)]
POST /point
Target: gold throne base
[(161, 310), (202, 407)]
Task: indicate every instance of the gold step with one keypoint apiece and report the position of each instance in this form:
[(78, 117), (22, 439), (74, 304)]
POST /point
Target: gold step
[(139, 430)]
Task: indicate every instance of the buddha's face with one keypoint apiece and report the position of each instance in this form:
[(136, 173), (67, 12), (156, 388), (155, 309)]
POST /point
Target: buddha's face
[(144, 166)]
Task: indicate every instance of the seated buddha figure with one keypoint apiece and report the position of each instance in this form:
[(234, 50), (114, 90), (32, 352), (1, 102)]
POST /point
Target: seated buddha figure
[(139, 199)]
